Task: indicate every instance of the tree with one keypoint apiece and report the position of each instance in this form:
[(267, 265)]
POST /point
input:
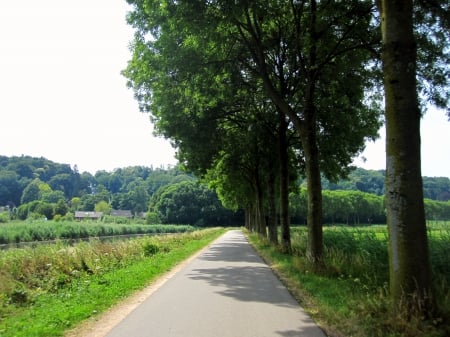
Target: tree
[(188, 54), (300, 70), (10, 189), (138, 197), (189, 202), (61, 208), (75, 203), (63, 182), (52, 196), (102, 206), (46, 209), (410, 272), (31, 192)]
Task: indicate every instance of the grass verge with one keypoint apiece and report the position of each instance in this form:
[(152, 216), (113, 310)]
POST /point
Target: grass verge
[(350, 296), (49, 290)]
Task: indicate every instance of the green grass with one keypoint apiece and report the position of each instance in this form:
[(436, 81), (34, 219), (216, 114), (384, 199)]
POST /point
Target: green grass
[(27, 231), (350, 296), (47, 290)]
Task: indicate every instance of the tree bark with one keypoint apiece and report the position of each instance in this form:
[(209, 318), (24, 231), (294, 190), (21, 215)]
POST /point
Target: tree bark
[(272, 211), (260, 212), (312, 157), (284, 184), (410, 271), (314, 190)]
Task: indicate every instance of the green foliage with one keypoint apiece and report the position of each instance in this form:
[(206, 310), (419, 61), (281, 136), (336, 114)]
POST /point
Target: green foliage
[(52, 197), (45, 209), (31, 192), (372, 181), (102, 206), (151, 218), (10, 187), (150, 249), (355, 207), (4, 217), (189, 203), (61, 208), (16, 232)]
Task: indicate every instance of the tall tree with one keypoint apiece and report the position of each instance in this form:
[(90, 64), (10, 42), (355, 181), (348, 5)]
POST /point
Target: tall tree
[(299, 49), (187, 55), (410, 272)]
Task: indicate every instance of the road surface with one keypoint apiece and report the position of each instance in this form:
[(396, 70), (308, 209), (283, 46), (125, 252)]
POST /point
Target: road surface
[(227, 291)]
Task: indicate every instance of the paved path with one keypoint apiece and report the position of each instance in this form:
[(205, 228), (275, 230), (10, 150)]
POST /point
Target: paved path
[(227, 291)]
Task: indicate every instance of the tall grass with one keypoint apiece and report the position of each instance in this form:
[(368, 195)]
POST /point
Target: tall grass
[(351, 294), (16, 232), (48, 289)]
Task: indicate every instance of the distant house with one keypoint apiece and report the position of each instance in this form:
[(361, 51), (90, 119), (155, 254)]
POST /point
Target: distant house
[(121, 213), (82, 215)]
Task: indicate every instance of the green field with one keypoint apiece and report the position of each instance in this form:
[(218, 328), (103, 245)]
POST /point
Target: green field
[(48, 289), (350, 296)]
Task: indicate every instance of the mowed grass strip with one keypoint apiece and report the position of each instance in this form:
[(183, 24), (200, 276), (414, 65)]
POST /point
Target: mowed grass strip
[(94, 285)]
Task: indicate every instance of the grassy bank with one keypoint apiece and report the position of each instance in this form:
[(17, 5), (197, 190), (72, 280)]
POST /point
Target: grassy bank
[(47, 290), (350, 297)]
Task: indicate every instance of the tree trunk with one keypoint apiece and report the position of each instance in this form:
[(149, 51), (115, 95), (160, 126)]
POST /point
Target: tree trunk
[(314, 190), (410, 271), (312, 157), (251, 218), (272, 213), (284, 184), (260, 212)]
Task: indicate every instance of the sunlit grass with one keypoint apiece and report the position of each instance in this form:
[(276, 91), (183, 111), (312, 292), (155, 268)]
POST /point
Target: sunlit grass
[(49, 289), (27, 231), (349, 297)]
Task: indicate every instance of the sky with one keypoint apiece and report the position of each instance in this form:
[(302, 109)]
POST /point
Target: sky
[(62, 96)]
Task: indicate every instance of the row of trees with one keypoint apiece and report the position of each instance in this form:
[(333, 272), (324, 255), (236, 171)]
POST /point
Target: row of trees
[(24, 178), (276, 89), (184, 202), (179, 198), (356, 208)]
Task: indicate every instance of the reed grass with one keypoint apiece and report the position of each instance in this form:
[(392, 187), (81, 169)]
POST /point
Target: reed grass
[(28, 231)]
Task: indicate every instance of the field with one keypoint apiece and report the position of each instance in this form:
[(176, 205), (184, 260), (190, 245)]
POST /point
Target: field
[(47, 289), (28, 231), (350, 297)]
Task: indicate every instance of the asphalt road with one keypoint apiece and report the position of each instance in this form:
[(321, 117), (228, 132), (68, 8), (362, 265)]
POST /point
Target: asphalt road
[(227, 291)]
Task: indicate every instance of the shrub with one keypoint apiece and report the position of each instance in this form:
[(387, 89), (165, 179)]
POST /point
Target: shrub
[(150, 249), (152, 218), (4, 217), (19, 296)]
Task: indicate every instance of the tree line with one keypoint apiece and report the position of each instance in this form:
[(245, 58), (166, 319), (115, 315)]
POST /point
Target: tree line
[(355, 208), (173, 196), (37, 187), (255, 94)]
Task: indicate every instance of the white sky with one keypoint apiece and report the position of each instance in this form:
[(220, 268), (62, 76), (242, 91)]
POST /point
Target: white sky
[(62, 96), (61, 93)]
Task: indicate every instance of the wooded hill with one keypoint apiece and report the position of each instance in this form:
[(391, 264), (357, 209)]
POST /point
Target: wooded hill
[(25, 180)]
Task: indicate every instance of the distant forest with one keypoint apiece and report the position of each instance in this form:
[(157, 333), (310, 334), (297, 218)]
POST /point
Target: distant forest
[(168, 195)]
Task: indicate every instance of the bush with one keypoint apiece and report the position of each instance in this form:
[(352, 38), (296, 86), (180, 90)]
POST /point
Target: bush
[(150, 249), (4, 217), (152, 218)]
